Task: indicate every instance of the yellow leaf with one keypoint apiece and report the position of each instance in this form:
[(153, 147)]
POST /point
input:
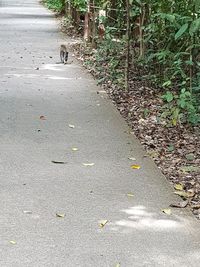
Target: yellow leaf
[(178, 187), (74, 149), (60, 215), (167, 211), (71, 126), (130, 195), (88, 164), (103, 223), (135, 167), (13, 242)]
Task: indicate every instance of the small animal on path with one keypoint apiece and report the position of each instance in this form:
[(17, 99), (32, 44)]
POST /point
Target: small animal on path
[(63, 53)]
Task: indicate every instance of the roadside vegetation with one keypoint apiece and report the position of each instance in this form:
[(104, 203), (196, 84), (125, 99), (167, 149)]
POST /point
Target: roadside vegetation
[(146, 55)]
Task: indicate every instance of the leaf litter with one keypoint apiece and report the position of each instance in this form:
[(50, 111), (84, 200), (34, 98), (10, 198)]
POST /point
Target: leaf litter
[(175, 150)]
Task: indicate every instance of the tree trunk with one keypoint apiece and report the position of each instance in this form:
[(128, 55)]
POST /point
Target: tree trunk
[(127, 45), (86, 26)]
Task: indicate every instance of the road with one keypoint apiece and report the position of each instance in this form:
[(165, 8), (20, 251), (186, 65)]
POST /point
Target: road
[(52, 112)]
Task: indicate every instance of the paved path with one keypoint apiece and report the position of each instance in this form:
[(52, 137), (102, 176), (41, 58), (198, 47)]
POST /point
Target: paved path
[(137, 233)]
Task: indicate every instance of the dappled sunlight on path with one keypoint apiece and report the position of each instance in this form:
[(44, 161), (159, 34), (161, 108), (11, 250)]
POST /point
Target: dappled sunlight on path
[(141, 219)]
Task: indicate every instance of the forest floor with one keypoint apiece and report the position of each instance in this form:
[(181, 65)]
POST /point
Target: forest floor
[(175, 150)]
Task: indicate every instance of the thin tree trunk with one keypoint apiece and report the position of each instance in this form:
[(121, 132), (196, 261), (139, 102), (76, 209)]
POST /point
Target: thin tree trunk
[(86, 27), (127, 46)]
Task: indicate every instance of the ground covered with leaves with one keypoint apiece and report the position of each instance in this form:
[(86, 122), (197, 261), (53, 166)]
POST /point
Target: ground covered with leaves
[(175, 150)]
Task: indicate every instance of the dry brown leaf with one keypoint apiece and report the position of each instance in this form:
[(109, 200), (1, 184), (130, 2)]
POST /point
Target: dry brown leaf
[(42, 118), (196, 206), (58, 162)]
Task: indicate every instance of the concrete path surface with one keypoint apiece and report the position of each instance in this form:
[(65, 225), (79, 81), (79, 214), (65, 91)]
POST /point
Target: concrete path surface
[(39, 99)]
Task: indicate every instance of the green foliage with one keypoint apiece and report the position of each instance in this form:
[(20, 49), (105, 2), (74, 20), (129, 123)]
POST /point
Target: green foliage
[(180, 108), (56, 5), (81, 5), (165, 44)]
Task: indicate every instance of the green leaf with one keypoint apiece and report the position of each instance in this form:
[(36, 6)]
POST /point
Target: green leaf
[(195, 26), (168, 96), (167, 83), (170, 148), (181, 31)]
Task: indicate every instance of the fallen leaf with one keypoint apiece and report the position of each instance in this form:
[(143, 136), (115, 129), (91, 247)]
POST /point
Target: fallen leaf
[(71, 126), (196, 206), (74, 149), (118, 265), (60, 215), (181, 204), (132, 158), (184, 194), (58, 162), (42, 118), (27, 212), (178, 187), (152, 154), (130, 195), (103, 223), (88, 164), (135, 167), (167, 211), (191, 192), (190, 156), (170, 148), (101, 92), (186, 169), (13, 242)]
